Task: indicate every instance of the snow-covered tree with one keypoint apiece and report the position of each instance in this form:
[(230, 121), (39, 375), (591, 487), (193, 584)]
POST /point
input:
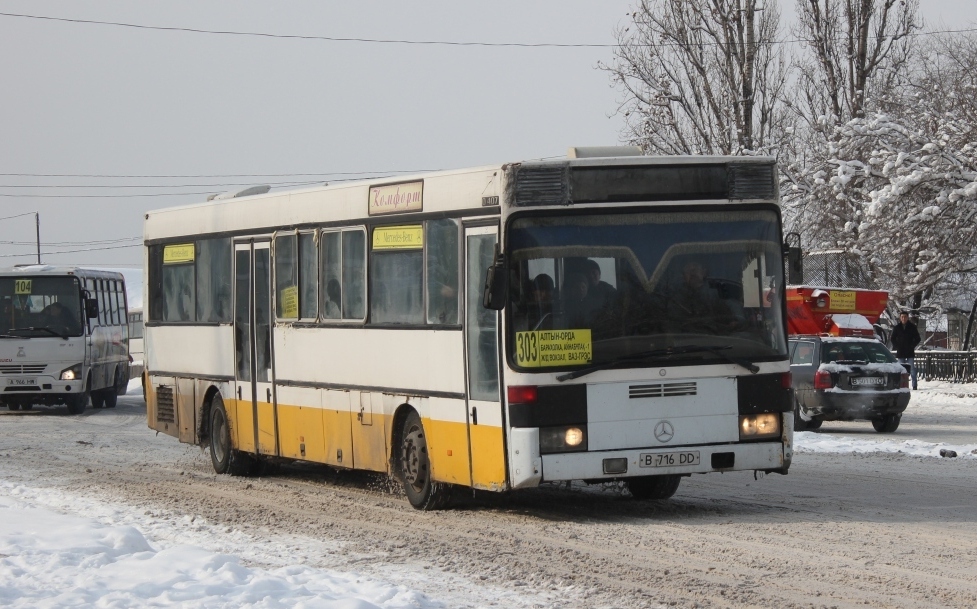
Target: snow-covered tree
[(701, 76), (899, 185)]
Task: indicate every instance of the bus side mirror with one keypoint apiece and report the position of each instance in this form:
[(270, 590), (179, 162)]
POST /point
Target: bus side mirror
[(91, 308), (493, 296)]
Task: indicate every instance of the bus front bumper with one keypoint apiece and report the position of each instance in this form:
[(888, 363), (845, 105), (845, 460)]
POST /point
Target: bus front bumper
[(618, 464)]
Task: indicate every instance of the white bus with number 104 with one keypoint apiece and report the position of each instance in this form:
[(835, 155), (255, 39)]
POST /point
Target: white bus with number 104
[(63, 337), (601, 319)]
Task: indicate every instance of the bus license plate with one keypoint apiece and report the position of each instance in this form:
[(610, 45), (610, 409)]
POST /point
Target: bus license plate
[(22, 382), (690, 457), (868, 380)]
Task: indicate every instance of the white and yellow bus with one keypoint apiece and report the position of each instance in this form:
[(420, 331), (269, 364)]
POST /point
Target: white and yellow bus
[(596, 318)]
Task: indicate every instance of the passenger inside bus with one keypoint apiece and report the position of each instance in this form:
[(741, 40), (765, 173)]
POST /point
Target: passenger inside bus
[(57, 317), (540, 313), (695, 303)]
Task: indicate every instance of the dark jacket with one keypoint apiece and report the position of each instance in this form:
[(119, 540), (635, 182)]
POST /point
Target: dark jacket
[(904, 339)]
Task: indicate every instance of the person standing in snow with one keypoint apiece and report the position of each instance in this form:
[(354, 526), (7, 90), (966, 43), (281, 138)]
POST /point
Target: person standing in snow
[(905, 337)]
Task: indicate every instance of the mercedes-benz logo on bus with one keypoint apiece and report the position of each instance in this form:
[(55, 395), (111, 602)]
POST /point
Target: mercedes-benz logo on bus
[(664, 431)]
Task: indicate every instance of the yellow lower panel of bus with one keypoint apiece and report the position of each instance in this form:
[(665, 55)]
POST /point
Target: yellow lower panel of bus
[(488, 464), (266, 429), (241, 419), (447, 447), (370, 444), (301, 433), (338, 437)]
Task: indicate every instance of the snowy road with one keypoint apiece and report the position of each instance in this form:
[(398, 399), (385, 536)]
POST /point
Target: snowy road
[(862, 520)]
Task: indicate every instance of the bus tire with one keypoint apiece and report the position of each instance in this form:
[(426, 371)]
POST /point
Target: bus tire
[(225, 459), (414, 468), (654, 487), (13, 406), (110, 397), (78, 402), (98, 398)]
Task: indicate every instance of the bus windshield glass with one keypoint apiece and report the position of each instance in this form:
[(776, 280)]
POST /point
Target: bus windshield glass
[(679, 287), (40, 306)]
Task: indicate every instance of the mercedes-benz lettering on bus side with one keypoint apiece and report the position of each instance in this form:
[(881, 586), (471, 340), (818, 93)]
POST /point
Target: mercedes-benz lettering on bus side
[(597, 319), (63, 337)]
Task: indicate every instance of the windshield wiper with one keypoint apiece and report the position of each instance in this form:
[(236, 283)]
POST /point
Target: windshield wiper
[(39, 329), (656, 353)]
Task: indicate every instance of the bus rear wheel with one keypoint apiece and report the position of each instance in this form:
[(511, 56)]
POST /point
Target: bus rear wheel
[(226, 460), (654, 487), (414, 468)]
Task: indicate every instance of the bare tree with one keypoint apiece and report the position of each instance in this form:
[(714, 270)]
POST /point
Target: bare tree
[(857, 50), (702, 76)]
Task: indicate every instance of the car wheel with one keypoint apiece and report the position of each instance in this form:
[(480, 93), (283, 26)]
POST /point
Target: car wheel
[(225, 459), (799, 423), (654, 487), (887, 424), (414, 468)]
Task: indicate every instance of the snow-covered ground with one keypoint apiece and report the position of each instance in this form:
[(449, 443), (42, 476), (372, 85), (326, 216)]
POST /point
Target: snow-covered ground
[(62, 550)]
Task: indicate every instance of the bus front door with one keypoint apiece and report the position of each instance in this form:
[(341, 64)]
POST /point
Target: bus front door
[(485, 426), (253, 423)]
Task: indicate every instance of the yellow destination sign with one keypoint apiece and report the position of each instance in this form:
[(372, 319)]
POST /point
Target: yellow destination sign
[(22, 286), (842, 300), (542, 348), (396, 198), (398, 237), (290, 302), (176, 254)]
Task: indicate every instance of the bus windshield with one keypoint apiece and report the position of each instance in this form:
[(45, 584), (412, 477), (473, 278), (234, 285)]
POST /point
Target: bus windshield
[(687, 287), (40, 306)]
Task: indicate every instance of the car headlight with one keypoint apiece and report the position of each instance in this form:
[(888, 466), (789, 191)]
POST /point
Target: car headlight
[(759, 426), (564, 439), (70, 374)]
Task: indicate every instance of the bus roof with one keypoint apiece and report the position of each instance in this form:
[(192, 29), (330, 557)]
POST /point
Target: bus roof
[(443, 191), (48, 269)]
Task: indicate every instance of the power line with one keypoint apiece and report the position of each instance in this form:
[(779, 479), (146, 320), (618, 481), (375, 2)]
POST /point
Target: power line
[(304, 37), (403, 41), (90, 249), (306, 183), (30, 213), (98, 242)]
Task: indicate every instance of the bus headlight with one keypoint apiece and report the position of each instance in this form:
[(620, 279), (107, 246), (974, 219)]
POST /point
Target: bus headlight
[(759, 426), (564, 439), (70, 374)]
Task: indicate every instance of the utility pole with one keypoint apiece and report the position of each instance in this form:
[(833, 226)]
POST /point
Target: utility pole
[(37, 223)]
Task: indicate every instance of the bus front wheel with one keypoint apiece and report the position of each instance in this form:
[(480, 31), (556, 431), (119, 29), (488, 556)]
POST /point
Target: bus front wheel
[(78, 402), (654, 487), (414, 468), (225, 459)]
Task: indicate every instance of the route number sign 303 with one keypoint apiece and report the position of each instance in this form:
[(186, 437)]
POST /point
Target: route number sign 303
[(539, 348)]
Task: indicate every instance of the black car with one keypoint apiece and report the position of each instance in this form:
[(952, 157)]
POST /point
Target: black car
[(844, 379)]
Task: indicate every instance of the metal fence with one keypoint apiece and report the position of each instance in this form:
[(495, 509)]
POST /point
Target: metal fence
[(953, 366)]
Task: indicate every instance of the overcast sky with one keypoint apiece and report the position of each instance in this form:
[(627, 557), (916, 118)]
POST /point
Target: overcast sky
[(106, 100)]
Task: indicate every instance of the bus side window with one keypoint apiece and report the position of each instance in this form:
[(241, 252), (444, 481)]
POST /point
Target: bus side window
[(307, 276), (441, 253), (354, 274), (213, 293), (286, 277)]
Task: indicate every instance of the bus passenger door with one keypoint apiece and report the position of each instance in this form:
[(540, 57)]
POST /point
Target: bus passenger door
[(485, 430), (254, 425)]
